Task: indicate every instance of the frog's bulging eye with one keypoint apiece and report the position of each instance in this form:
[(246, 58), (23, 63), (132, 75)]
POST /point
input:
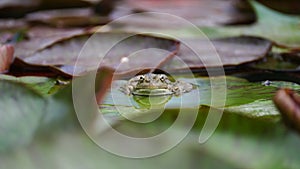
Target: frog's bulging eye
[(162, 78), (142, 78)]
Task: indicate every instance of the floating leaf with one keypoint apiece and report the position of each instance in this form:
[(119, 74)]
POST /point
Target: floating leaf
[(20, 7), (126, 56), (232, 51), (41, 85), (43, 37), (283, 29), (242, 97), (21, 113), (280, 62), (67, 17), (200, 13), (12, 24)]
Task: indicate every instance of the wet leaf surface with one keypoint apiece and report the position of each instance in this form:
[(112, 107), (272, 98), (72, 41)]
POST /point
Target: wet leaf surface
[(252, 100), (280, 62)]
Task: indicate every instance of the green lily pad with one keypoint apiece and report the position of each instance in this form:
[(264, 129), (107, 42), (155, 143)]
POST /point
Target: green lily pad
[(21, 112), (245, 98), (41, 85)]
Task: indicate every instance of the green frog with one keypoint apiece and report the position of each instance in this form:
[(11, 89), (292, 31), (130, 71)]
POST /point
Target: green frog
[(155, 84)]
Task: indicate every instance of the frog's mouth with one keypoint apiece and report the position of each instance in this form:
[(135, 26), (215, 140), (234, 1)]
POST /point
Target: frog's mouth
[(152, 92)]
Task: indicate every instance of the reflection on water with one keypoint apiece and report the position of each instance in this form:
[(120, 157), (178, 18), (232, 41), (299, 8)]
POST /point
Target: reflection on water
[(151, 98)]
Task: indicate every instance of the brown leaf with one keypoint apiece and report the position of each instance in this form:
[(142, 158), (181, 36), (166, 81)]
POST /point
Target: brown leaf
[(19, 7), (6, 57), (199, 12), (12, 24), (67, 17), (232, 51), (42, 37), (135, 53), (288, 102)]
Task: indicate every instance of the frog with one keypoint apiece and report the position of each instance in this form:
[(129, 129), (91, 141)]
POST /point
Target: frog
[(153, 82)]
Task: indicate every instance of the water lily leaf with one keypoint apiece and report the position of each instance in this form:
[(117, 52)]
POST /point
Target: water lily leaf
[(66, 17), (285, 28), (249, 99), (21, 112), (233, 51), (200, 13), (262, 109), (41, 85), (57, 4), (237, 142), (20, 7), (129, 55), (280, 62), (255, 144), (42, 37), (12, 24)]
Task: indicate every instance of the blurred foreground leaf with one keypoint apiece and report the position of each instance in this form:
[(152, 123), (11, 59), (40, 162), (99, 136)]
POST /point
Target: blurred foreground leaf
[(21, 113)]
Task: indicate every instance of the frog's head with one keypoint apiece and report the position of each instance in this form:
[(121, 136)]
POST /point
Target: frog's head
[(152, 81)]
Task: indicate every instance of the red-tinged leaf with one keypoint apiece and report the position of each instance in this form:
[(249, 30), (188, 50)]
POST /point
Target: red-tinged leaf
[(288, 102), (132, 54), (42, 37), (6, 57), (232, 51), (199, 12), (67, 17), (21, 68), (103, 82)]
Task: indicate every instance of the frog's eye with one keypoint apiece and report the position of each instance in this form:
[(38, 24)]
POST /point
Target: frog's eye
[(162, 78), (142, 78)]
